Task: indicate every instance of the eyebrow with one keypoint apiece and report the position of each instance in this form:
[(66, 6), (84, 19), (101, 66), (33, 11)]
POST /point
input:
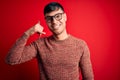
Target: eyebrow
[(54, 14)]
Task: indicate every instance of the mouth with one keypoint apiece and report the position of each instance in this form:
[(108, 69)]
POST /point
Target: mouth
[(55, 27)]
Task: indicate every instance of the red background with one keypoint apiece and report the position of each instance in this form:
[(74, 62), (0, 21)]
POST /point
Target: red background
[(97, 22)]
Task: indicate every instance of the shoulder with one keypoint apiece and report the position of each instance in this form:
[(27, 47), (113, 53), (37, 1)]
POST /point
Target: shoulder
[(40, 40), (80, 43), (43, 39), (78, 40)]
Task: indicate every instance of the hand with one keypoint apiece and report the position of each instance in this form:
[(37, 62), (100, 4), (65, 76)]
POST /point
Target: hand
[(36, 28)]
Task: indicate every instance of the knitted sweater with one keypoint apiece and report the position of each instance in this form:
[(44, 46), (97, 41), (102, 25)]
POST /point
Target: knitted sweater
[(57, 59)]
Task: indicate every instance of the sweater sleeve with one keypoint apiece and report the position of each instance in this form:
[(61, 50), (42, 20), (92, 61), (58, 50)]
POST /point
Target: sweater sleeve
[(20, 53), (85, 64)]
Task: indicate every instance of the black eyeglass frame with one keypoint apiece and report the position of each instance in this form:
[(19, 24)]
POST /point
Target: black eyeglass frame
[(49, 19)]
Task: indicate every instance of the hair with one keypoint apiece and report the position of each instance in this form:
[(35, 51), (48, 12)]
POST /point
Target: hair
[(52, 7)]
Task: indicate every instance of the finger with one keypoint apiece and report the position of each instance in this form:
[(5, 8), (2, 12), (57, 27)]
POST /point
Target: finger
[(38, 21), (43, 33)]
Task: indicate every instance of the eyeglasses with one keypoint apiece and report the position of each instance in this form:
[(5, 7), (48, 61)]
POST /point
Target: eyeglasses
[(58, 17)]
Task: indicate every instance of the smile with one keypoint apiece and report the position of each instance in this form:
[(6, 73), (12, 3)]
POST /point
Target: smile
[(55, 27)]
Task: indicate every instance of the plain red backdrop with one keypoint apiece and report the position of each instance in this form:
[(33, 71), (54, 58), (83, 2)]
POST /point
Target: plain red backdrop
[(97, 22)]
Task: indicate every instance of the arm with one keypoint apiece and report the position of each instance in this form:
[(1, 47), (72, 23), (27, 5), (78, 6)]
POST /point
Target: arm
[(20, 53), (85, 64)]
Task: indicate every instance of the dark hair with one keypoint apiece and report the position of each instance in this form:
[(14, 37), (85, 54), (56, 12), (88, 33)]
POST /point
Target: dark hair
[(52, 7)]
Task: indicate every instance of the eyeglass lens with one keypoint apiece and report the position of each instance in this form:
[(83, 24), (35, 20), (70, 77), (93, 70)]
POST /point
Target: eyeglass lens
[(56, 16)]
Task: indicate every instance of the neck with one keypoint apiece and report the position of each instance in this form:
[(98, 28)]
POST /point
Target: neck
[(61, 36)]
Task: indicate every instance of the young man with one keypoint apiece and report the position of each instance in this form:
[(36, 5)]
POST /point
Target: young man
[(60, 56)]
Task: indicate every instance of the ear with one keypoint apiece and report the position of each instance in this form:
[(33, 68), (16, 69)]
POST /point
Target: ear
[(65, 16)]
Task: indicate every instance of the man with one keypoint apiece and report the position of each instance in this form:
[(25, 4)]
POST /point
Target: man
[(60, 56)]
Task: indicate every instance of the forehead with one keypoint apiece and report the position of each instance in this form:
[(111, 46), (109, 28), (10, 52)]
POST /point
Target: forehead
[(54, 12)]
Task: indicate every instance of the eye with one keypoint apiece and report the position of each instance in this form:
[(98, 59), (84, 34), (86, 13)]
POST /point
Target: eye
[(48, 18), (58, 16)]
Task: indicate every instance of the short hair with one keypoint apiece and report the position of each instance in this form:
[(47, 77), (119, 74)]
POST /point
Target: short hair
[(52, 7)]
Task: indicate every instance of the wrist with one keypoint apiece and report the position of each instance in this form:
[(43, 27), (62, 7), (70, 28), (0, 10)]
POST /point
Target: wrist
[(27, 34), (30, 32)]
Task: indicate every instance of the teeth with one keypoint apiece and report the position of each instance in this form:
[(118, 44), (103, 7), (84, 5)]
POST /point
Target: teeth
[(56, 27)]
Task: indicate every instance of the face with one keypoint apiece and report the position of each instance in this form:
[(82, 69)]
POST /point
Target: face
[(56, 21)]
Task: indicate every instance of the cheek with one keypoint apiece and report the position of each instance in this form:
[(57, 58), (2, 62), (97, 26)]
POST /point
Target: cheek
[(49, 26), (63, 22)]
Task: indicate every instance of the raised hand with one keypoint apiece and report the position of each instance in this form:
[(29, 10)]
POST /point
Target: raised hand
[(36, 28)]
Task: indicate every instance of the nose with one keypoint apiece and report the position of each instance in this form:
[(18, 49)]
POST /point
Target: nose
[(54, 20)]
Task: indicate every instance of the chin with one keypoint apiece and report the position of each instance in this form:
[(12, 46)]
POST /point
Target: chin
[(58, 32)]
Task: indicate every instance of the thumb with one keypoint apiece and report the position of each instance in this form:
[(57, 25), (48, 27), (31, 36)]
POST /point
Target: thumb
[(43, 33)]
